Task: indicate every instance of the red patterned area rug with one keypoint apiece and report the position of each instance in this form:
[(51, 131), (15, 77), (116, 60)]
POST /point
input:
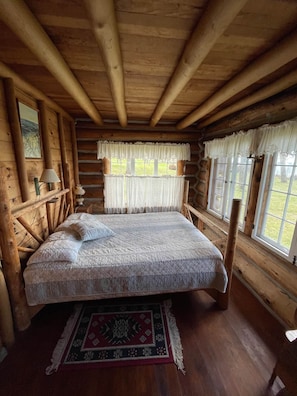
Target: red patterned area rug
[(118, 334)]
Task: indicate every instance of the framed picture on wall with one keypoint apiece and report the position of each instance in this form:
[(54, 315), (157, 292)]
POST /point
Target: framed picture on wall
[(30, 131)]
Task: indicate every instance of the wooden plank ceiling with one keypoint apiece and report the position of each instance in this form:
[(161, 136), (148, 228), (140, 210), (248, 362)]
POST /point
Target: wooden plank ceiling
[(206, 66)]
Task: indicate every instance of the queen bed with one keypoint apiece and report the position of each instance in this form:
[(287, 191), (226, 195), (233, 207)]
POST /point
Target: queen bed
[(143, 254), (105, 256)]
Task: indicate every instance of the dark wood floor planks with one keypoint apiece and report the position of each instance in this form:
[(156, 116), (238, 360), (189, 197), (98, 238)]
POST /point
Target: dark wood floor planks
[(225, 353)]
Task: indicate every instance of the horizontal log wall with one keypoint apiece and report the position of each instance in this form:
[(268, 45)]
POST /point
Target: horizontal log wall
[(271, 278), (91, 172)]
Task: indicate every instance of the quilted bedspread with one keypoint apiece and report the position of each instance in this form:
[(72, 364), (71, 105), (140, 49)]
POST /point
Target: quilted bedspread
[(148, 253)]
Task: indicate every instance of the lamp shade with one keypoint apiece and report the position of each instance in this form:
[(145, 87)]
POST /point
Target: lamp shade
[(49, 176)]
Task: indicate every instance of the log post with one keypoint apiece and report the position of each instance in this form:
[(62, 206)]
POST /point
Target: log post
[(49, 215), (16, 132), (45, 135), (223, 298), (106, 166), (6, 323), (11, 260), (69, 196), (63, 147), (65, 167), (74, 154), (253, 198)]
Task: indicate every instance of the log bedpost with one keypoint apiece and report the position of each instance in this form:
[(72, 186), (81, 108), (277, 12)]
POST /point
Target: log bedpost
[(11, 261), (6, 322), (223, 298)]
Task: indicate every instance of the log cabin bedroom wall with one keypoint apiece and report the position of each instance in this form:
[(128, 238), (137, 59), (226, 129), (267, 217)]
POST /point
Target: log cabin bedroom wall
[(167, 76)]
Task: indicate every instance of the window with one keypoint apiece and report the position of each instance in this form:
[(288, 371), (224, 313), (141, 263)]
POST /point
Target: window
[(143, 177), (274, 223), (140, 167), (230, 178), (277, 203)]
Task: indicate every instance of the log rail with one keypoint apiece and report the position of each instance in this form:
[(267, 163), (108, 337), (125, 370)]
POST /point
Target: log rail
[(271, 279), (221, 298)]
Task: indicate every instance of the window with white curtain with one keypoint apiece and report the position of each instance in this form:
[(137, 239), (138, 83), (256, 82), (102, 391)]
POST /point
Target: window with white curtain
[(230, 178), (143, 177), (277, 205), (276, 212)]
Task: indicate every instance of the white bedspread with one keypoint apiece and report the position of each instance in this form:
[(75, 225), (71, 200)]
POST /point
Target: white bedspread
[(150, 253)]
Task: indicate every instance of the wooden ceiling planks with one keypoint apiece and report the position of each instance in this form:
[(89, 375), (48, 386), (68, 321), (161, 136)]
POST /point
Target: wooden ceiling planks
[(153, 37)]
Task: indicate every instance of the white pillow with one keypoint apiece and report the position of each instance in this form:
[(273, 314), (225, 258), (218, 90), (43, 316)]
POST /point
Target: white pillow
[(59, 246), (91, 230), (87, 226)]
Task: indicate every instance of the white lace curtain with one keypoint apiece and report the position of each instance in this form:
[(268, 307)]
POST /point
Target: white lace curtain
[(268, 139), (114, 200), (165, 152), (137, 194), (134, 194)]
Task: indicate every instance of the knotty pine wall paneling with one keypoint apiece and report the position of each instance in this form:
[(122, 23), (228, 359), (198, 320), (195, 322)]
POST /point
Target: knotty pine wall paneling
[(7, 155), (34, 166)]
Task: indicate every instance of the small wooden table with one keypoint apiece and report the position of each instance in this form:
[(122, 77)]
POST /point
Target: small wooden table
[(286, 365)]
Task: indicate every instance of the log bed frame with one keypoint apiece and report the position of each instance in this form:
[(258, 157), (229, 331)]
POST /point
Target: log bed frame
[(11, 263)]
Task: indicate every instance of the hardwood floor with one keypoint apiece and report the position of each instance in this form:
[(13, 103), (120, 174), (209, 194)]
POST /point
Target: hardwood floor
[(226, 353)]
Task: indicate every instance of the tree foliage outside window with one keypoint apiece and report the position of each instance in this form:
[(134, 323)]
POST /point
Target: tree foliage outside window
[(140, 185), (141, 167), (277, 204), (276, 212)]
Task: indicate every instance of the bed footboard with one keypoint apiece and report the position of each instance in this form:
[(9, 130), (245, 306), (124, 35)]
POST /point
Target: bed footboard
[(231, 237)]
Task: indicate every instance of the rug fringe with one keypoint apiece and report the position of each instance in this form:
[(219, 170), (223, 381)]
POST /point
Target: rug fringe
[(176, 344), (60, 347)]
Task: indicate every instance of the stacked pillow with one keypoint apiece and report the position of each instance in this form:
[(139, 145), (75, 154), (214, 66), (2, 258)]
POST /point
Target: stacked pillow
[(65, 242), (86, 226)]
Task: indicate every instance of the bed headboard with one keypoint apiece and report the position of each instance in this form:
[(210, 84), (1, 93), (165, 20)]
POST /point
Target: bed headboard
[(10, 250)]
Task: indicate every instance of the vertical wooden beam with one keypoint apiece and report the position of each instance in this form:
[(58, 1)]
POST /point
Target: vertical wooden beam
[(106, 166), (253, 197), (75, 154), (45, 136), (65, 166), (6, 323), (62, 147), (11, 261), (48, 162), (180, 168), (223, 298), (15, 127), (69, 196), (49, 214)]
